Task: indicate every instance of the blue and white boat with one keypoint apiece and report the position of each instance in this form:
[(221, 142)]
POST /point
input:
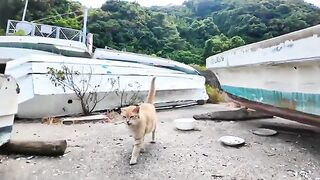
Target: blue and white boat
[(282, 72)]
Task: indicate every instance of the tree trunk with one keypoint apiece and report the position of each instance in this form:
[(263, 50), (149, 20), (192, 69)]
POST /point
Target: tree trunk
[(233, 115), (84, 107)]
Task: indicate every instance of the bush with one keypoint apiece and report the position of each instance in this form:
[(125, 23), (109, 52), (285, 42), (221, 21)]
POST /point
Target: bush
[(214, 95)]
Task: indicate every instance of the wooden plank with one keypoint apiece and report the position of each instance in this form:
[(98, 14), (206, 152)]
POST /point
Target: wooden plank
[(92, 118)]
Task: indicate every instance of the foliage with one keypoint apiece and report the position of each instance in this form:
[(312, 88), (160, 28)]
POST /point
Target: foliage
[(220, 43), (87, 92), (188, 33), (2, 32), (198, 67), (128, 97)]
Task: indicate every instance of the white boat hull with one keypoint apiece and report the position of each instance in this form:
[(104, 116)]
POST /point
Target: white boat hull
[(27, 59), (282, 72), (40, 97), (8, 106)]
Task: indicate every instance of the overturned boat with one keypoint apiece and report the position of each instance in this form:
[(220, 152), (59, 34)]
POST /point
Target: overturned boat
[(279, 74), (8, 107), (114, 81)]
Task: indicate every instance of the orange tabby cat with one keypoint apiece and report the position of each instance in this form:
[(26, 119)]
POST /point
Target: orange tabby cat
[(141, 120)]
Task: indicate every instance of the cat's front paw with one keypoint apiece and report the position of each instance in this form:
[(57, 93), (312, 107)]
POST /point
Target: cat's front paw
[(143, 150), (133, 162)]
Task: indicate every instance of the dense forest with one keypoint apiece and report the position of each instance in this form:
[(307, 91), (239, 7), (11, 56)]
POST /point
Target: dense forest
[(188, 33)]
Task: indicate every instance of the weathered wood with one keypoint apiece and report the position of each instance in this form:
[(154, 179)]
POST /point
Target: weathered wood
[(85, 119), (285, 113), (240, 114), (41, 148)]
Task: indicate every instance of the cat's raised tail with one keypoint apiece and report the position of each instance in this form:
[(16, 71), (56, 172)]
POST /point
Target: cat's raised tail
[(152, 92)]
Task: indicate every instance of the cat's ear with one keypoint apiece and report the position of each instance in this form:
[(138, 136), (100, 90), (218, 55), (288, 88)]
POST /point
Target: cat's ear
[(136, 109)]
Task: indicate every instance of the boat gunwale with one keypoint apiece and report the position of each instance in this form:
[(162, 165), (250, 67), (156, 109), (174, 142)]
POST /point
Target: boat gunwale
[(292, 36), (270, 63)]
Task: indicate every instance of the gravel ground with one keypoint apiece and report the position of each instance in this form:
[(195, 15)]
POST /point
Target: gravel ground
[(102, 151)]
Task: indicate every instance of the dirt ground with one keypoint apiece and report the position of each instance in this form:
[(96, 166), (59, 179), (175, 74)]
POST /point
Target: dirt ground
[(102, 151)]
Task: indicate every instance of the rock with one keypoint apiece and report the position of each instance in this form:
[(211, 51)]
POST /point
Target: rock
[(231, 140), (264, 132), (30, 157), (211, 78), (206, 155)]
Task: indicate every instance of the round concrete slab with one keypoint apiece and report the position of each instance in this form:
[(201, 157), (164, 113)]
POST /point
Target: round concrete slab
[(231, 140), (264, 132)]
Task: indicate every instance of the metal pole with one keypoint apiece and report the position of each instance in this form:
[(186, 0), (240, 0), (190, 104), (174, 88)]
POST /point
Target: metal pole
[(85, 18), (25, 10)]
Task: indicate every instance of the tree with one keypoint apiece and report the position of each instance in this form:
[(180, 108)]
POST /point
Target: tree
[(80, 83), (175, 32), (220, 43)]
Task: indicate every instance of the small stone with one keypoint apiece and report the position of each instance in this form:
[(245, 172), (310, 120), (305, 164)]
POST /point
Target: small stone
[(206, 155), (231, 140), (264, 132), (216, 176), (30, 157)]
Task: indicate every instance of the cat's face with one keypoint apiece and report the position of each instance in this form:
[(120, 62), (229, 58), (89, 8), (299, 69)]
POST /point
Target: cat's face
[(130, 115)]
